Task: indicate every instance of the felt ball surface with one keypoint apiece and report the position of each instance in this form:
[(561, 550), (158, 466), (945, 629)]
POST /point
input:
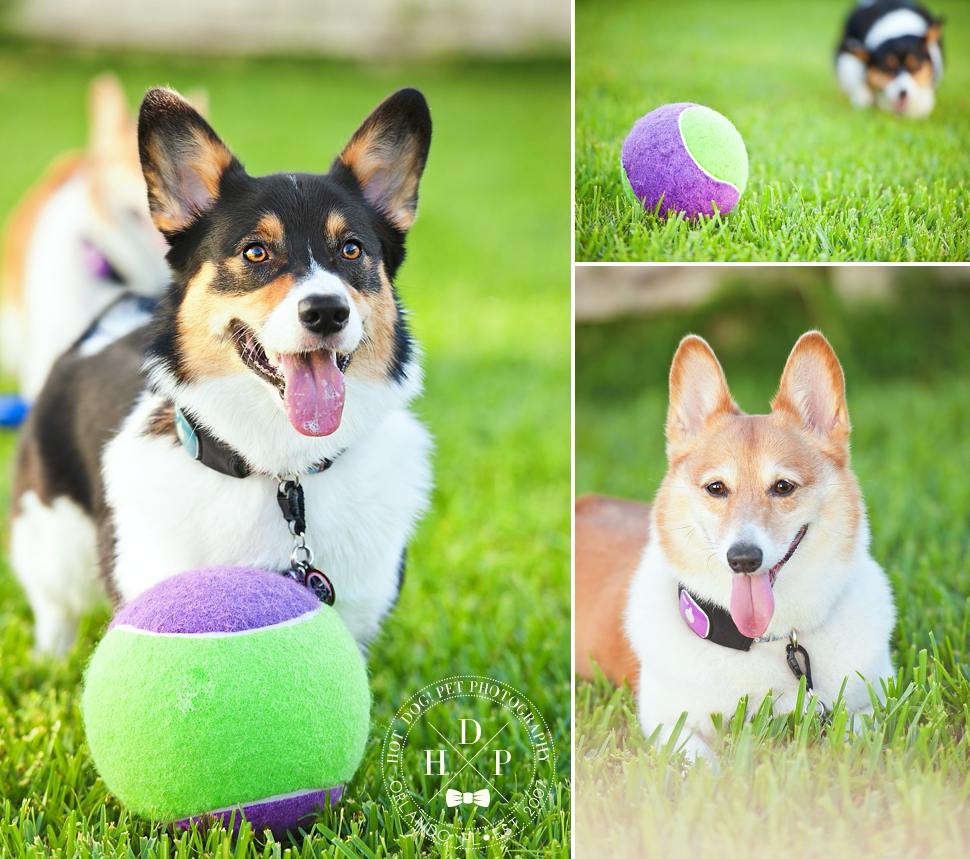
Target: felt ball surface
[(223, 690), (687, 158)]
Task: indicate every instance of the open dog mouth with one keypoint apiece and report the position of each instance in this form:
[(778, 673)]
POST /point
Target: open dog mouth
[(752, 599), (310, 383)]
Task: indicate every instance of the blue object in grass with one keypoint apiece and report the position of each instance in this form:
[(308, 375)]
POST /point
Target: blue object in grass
[(13, 410)]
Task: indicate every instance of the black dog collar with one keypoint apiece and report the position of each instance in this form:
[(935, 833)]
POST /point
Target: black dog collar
[(204, 447), (711, 621)]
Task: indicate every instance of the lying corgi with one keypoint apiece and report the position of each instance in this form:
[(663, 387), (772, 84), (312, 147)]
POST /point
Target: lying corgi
[(756, 569), (891, 56), (81, 239), (260, 417)]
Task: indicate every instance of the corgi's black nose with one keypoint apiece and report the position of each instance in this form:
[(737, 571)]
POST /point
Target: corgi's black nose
[(744, 557), (324, 314)]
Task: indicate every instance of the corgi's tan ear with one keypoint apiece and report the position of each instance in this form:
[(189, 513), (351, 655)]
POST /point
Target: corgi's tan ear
[(812, 389), (111, 130), (933, 32), (698, 392), (182, 158), (387, 154)]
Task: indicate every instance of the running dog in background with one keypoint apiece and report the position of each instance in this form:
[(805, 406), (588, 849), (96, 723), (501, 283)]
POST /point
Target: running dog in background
[(891, 56), (756, 570)]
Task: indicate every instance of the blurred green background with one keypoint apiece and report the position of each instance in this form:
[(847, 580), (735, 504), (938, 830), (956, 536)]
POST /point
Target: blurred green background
[(487, 284), (827, 182)]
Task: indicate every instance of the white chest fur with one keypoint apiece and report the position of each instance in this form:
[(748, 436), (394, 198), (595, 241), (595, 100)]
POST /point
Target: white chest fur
[(680, 672), (171, 514)]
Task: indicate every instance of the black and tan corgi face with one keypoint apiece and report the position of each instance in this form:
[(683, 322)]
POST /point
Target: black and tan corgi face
[(901, 73), (285, 277), (900, 53)]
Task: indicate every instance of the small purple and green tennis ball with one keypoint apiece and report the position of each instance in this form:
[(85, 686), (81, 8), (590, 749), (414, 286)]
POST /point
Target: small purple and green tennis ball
[(227, 691), (688, 156)]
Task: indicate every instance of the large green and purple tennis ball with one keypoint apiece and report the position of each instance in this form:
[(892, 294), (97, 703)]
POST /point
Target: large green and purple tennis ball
[(227, 690), (687, 156)]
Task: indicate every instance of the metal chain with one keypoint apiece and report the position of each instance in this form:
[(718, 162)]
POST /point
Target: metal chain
[(290, 498)]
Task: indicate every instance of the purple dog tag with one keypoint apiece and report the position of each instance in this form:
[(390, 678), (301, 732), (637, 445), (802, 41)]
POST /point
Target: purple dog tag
[(695, 616)]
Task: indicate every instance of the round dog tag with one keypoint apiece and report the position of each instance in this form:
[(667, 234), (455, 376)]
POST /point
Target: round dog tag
[(319, 584)]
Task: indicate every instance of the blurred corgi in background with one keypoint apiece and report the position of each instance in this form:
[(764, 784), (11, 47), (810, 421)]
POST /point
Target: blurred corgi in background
[(890, 56), (81, 239)]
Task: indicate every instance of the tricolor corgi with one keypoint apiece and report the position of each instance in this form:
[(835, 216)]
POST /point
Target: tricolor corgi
[(260, 417), (754, 568), (81, 239), (891, 56)]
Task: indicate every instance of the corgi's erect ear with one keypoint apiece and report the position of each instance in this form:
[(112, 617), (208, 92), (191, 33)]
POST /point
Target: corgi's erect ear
[(182, 158), (856, 48), (111, 129), (933, 32), (387, 154), (812, 389), (698, 392)]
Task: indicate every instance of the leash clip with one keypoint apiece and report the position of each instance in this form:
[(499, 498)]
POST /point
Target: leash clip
[(290, 498), (792, 651)]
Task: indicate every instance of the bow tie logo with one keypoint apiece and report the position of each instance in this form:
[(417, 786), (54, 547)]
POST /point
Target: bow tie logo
[(456, 797)]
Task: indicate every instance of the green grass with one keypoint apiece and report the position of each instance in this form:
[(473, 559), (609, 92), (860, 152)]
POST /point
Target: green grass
[(827, 182), (901, 786), (488, 578)]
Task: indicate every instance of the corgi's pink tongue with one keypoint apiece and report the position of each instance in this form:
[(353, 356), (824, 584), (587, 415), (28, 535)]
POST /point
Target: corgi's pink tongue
[(314, 394), (752, 604)]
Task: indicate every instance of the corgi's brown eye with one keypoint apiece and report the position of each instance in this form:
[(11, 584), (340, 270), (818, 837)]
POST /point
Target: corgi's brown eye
[(715, 487), (892, 61), (350, 250), (912, 63), (256, 253), (783, 487)]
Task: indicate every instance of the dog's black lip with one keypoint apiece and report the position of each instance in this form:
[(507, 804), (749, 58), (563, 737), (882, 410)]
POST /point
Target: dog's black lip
[(773, 572), (253, 355)]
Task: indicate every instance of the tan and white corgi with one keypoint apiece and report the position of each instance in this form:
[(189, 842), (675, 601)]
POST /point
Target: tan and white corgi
[(80, 240), (261, 414), (756, 570)]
